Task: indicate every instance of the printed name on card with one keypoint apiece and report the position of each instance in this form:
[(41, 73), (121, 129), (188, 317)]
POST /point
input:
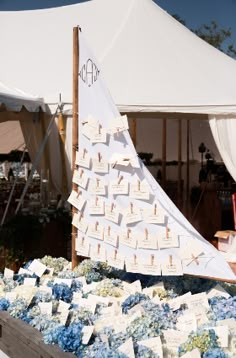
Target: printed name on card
[(98, 252), (168, 239), (199, 300), (95, 230), (115, 259), (147, 240), (127, 238), (29, 281), (119, 186), (133, 264), (119, 124), (82, 246), (98, 135), (151, 266), (191, 253), (82, 159), (112, 213), (175, 338), (187, 322), (97, 186), (80, 178), (96, 206), (154, 344), (155, 215), (79, 222), (140, 190), (100, 165), (172, 266), (110, 237), (76, 199), (132, 214)]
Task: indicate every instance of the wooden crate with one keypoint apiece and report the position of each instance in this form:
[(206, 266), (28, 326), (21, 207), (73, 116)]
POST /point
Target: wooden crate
[(20, 340)]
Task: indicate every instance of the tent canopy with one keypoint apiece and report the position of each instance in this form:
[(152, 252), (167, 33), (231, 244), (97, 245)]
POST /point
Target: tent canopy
[(150, 62)]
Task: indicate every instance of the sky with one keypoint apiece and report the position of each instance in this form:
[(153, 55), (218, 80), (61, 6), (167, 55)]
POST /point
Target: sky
[(194, 12)]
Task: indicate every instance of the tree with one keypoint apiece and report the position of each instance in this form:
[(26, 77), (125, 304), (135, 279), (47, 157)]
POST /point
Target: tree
[(215, 36)]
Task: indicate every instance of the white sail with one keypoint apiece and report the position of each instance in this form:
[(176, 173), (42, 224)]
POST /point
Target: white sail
[(124, 217)]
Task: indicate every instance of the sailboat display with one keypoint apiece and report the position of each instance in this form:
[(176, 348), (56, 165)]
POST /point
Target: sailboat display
[(123, 217)]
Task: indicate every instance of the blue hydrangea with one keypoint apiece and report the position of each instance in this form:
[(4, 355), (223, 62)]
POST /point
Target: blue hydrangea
[(61, 291), (133, 300), (4, 304), (70, 338), (215, 353)]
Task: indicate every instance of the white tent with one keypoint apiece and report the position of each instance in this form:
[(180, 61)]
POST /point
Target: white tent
[(150, 61)]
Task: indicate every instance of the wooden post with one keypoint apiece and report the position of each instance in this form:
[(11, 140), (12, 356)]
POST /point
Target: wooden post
[(133, 130), (179, 187), (163, 180), (62, 140), (187, 169), (75, 132)]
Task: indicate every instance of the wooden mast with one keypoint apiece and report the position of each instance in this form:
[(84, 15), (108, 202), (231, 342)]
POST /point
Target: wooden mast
[(179, 187), (75, 133), (163, 181)]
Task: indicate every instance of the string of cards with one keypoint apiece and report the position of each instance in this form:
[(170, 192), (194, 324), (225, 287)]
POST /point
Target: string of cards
[(119, 219)]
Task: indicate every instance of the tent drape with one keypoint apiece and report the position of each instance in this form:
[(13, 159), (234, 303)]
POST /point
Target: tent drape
[(223, 130)]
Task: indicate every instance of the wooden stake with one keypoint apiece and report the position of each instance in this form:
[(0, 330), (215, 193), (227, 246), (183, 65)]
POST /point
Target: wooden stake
[(75, 133), (163, 181)]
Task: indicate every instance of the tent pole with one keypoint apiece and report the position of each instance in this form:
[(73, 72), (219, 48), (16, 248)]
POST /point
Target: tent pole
[(187, 170), (75, 133), (133, 131), (163, 181), (62, 140), (179, 189)]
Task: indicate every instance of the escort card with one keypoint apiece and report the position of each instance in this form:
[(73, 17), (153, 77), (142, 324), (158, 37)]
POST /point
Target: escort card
[(120, 186), (119, 124), (96, 206), (77, 297), (118, 159), (76, 200), (95, 230), (97, 186), (112, 213), (132, 214), (98, 253), (66, 281), (154, 344), (140, 190), (193, 354), (83, 159), (88, 126), (218, 291), (167, 240), (175, 303), (82, 246), (37, 267), (63, 306), (190, 252), (110, 237), (187, 322), (8, 273), (79, 222), (115, 259), (80, 178), (198, 300), (29, 281), (146, 240), (100, 165), (127, 238), (133, 264), (98, 135), (24, 271), (151, 266), (87, 332), (26, 292), (174, 339), (127, 348), (172, 267), (88, 304), (155, 215), (45, 308), (11, 296), (63, 317)]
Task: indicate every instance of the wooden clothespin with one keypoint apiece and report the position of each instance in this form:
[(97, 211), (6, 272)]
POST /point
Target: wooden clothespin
[(146, 233), (119, 180), (109, 231), (128, 233), (170, 260), (152, 260), (131, 208), (99, 157), (84, 153), (155, 209), (81, 173)]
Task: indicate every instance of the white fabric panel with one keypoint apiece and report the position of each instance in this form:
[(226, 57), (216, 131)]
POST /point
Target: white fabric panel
[(224, 132), (96, 101), (150, 61)]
